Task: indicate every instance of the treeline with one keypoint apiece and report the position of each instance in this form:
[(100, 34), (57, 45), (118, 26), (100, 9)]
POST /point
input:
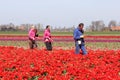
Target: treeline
[(94, 26), (100, 26), (22, 27), (26, 27)]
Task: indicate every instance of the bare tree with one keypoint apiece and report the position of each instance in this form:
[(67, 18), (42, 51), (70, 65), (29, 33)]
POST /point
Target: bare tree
[(97, 26), (100, 25), (112, 23)]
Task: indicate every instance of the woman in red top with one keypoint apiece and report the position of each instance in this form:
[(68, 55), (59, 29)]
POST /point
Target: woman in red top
[(47, 38)]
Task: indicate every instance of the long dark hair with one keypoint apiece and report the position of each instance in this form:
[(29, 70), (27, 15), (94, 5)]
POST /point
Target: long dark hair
[(47, 26)]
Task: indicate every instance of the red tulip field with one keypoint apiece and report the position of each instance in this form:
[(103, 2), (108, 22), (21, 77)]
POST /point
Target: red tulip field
[(25, 64), (19, 63)]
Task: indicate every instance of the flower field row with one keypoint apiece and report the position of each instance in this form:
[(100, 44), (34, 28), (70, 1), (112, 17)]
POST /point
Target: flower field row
[(64, 38), (26, 64)]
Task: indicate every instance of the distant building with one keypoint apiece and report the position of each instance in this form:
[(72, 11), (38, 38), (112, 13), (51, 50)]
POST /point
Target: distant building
[(21, 28), (115, 28)]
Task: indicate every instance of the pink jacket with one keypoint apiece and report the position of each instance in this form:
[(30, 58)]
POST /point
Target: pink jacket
[(47, 36), (31, 34)]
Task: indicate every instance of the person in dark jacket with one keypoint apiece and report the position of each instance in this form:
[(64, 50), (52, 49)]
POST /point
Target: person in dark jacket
[(79, 39)]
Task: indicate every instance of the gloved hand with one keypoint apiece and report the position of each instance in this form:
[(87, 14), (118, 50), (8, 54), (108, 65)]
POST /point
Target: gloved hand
[(46, 40), (82, 36), (33, 38)]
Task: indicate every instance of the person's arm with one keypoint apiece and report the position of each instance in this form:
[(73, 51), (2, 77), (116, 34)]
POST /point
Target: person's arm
[(75, 34)]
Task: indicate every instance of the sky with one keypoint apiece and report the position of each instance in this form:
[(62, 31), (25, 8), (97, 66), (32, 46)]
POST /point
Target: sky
[(58, 12)]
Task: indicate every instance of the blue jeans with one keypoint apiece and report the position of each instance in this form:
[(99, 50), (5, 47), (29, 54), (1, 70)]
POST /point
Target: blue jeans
[(78, 47)]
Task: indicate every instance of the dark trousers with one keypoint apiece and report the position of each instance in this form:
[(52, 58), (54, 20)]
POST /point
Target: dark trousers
[(32, 44), (48, 46)]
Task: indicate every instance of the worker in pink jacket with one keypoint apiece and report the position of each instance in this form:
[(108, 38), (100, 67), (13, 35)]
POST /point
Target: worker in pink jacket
[(47, 38), (32, 37)]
